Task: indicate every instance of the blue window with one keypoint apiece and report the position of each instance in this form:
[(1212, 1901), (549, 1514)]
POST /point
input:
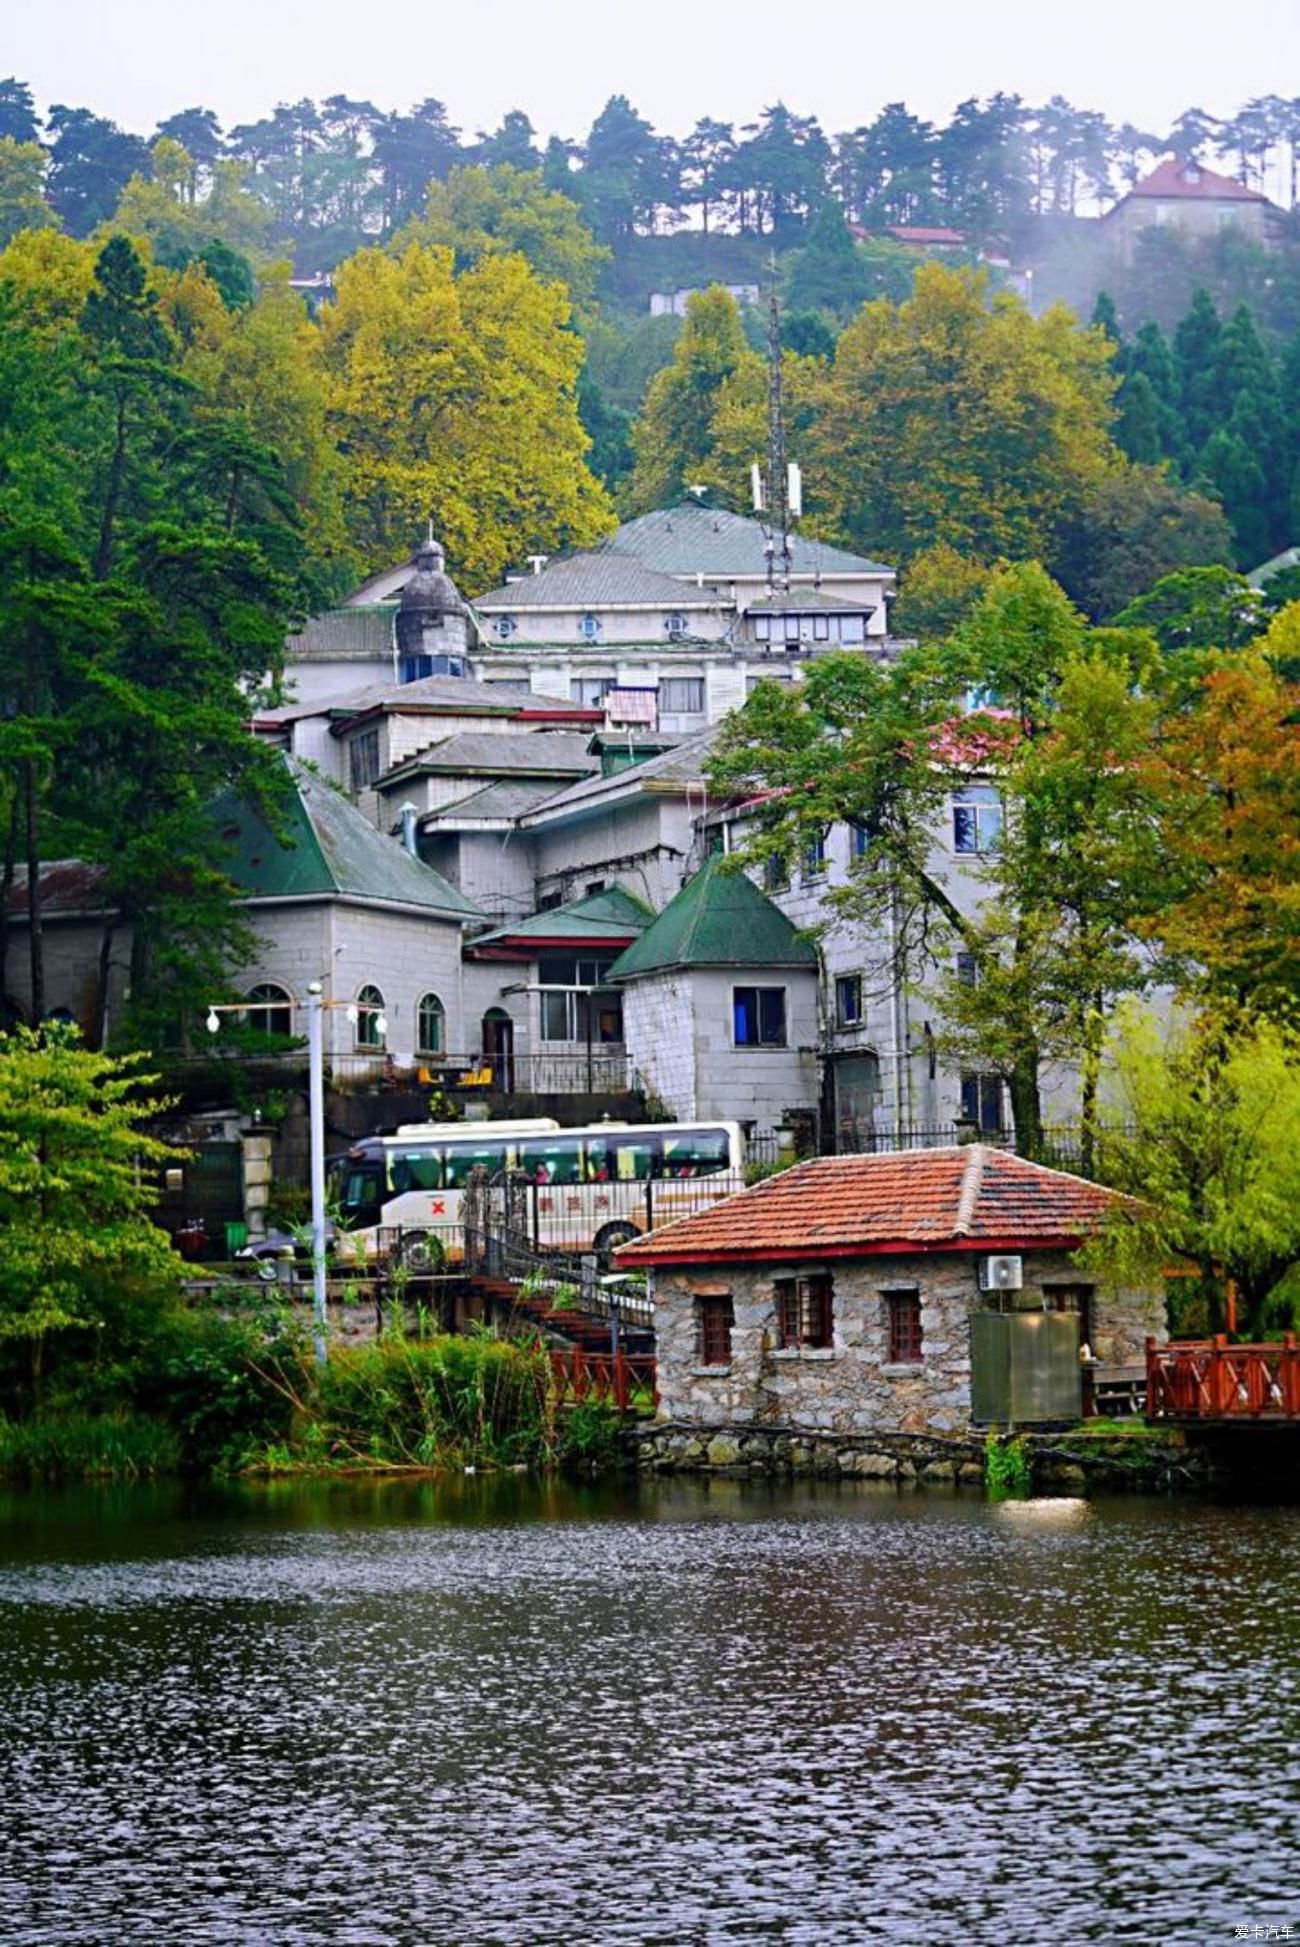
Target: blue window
[(812, 863), (589, 627), (759, 1017), (857, 840), (504, 626)]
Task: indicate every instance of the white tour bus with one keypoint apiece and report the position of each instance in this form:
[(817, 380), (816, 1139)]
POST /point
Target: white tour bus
[(589, 1189)]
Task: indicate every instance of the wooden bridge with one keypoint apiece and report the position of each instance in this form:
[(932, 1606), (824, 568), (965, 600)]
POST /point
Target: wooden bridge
[(1208, 1382)]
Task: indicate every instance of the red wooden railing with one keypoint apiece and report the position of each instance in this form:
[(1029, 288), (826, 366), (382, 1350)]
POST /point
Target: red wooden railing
[(611, 1378), (1208, 1379)]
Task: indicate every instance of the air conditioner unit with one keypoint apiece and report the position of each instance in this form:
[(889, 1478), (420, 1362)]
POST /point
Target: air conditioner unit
[(1002, 1273)]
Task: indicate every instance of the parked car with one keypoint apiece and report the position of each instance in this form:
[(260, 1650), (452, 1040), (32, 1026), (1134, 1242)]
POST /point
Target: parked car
[(265, 1253)]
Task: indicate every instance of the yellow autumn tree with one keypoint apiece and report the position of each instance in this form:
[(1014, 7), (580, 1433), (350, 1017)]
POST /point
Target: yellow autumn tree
[(456, 398), (265, 362), (952, 419)]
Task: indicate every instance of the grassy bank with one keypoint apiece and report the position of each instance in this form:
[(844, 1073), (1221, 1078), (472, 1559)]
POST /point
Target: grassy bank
[(202, 1393)]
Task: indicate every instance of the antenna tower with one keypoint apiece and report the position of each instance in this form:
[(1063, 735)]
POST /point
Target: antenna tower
[(778, 479)]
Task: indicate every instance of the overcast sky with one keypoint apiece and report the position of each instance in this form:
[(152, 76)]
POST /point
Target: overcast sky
[(1137, 60)]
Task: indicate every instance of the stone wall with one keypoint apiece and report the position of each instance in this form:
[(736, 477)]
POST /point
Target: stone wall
[(850, 1387)]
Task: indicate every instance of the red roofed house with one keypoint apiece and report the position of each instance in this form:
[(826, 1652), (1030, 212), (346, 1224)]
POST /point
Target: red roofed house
[(878, 1293), (1182, 193)]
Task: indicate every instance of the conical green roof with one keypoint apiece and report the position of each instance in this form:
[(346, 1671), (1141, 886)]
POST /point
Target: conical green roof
[(718, 919)]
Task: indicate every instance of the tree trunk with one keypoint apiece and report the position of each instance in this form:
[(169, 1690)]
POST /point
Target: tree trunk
[(116, 474), (101, 988), (7, 885), (36, 943), (1026, 1104), (1094, 1029)]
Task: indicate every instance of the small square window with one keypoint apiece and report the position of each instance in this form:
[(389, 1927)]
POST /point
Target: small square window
[(776, 872), (804, 1312), (758, 1014), (714, 1318), (981, 1103), (903, 1312), (848, 1000)]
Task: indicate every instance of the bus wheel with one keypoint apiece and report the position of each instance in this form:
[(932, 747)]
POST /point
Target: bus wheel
[(612, 1239), (420, 1252)]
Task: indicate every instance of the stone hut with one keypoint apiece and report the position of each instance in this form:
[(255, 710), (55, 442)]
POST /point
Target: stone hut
[(857, 1295)]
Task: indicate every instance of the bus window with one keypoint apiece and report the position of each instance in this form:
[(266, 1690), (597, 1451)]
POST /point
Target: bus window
[(635, 1158), (463, 1157), (697, 1152), (415, 1169), (358, 1194), (553, 1160)]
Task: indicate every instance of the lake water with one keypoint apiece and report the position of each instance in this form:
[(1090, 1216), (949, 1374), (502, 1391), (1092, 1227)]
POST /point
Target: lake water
[(504, 1711)]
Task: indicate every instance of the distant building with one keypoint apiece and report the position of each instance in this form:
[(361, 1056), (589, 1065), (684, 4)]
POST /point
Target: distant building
[(1181, 193), (672, 304)]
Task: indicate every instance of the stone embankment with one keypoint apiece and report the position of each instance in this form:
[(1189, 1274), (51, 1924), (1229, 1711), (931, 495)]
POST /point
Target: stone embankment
[(1141, 1460)]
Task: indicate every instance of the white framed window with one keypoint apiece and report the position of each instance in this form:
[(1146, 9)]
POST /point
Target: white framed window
[(370, 1030), (589, 627), (504, 626), (976, 820), (848, 1000), (681, 696), (430, 1026), (851, 628), (762, 628), (821, 628), (270, 1009)]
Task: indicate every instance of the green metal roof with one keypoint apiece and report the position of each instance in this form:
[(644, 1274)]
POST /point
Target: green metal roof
[(718, 919), (610, 915), (326, 849)]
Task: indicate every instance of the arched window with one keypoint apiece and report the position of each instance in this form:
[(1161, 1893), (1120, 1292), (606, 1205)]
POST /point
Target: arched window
[(371, 1023), (430, 1026), (270, 1009)]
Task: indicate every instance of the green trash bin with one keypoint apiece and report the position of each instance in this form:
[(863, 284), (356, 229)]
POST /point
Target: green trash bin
[(236, 1238)]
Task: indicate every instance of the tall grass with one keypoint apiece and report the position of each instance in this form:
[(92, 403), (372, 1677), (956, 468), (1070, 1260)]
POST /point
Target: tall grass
[(441, 1402), (108, 1446)]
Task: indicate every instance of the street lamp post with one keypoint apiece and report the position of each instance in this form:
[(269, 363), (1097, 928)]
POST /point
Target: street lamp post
[(316, 1125)]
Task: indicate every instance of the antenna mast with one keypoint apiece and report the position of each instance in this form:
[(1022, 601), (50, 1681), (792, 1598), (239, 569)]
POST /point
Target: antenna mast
[(778, 482)]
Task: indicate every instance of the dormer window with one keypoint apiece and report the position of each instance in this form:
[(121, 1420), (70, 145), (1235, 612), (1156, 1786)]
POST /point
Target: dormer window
[(588, 627), (675, 625), (1191, 174), (504, 626)]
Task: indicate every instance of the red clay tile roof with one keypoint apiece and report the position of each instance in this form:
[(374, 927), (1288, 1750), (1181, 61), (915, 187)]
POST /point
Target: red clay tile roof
[(1179, 178), (963, 1199)]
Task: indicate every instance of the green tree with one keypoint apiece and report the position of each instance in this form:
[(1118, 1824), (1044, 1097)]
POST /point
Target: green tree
[(938, 592), (1204, 1141), (91, 162), (22, 186), (828, 274), (479, 212), (673, 436), (1197, 608), (1136, 526), (1049, 935), (76, 1171), (19, 121), (948, 419)]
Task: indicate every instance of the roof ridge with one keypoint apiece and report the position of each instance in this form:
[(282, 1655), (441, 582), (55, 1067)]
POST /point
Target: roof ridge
[(972, 1182)]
